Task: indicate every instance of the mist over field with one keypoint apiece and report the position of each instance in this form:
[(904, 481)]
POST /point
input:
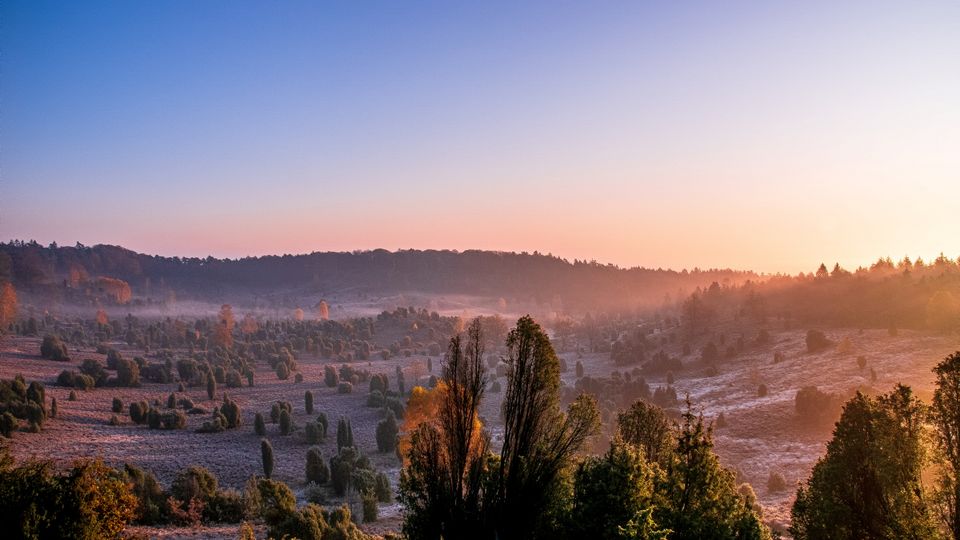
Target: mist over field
[(490, 271)]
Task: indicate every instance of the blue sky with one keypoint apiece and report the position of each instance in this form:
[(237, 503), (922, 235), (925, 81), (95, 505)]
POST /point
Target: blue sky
[(661, 134)]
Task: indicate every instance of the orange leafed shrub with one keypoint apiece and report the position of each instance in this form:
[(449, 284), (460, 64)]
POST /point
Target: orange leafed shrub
[(8, 305), (117, 289), (223, 333)]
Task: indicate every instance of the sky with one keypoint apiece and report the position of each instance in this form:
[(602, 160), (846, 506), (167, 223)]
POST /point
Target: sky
[(755, 135)]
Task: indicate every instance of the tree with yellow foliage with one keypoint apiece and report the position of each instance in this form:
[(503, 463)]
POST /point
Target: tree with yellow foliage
[(323, 311), (223, 332), (8, 305), (441, 486), (249, 325)]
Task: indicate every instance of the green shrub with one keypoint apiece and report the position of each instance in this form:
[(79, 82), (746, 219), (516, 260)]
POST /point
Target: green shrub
[(316, 468), (312, 433), (344, 388), (194, 482), (379, 383), (776, 483), (396, 406), (369, 507), (340, 471), (83, 381), (323, 424), (152, 507), (95, 371), (8, 424), (308, 402), (233, 379), (314, 493), (266, 456), (817, 341), (52, 348), (259, 427), (165, 420), (65, 378), (344, 434), (283, 372), (285, 422), (275, 413), (387, 431), (382, 488), (113, 358), (375, 399), (90, 500), (330, 376), (225, 506), (231, 412), (37, 394), (138, 412)]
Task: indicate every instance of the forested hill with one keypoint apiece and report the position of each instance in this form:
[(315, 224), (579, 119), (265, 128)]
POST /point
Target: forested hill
[(41, 269)]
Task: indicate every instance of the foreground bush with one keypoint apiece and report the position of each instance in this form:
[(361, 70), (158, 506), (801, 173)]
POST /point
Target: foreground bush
[(90, 500), (152, 508)]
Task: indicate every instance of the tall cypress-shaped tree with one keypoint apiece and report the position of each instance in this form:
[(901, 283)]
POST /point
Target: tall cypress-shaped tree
[(946, 417), (539, 440), (698, 497), (266, 455)]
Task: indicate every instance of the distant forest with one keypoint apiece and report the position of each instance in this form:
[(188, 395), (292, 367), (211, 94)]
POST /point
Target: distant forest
[(905, 294), (75, 274)]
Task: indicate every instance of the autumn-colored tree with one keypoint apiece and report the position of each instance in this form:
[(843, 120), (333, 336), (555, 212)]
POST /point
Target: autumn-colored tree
[(323, 311), (441, 487), (117, 289), (102, 318), (8, 305), (422, 407), (223, 332), (249, 325), (298, 314)]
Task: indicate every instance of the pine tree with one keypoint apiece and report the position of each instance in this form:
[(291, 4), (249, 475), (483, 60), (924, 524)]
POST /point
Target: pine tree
[(868, 484), (266, 454), (317, 471), (259, 427)]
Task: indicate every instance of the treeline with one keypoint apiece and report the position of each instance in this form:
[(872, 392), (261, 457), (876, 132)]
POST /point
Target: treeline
[(524, 276), (908, 294)]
